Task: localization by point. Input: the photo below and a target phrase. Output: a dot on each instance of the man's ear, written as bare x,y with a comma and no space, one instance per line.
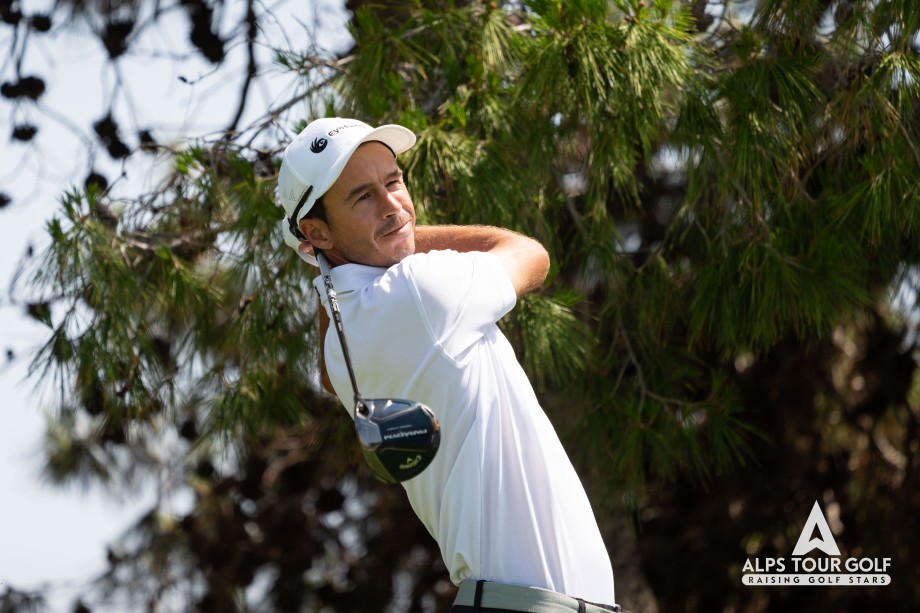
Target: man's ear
317,232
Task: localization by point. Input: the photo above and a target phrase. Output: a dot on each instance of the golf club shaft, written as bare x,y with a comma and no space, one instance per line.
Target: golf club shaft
337,318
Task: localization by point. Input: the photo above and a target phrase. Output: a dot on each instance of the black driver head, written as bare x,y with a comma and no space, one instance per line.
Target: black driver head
399,438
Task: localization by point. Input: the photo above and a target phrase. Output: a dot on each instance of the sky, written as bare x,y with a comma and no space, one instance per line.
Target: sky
51,537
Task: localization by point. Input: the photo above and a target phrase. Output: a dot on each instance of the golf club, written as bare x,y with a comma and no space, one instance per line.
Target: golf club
398,438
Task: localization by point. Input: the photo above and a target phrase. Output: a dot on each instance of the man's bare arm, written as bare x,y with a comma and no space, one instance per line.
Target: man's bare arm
524,259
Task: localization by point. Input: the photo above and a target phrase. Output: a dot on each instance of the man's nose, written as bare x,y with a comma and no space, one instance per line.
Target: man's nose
389,203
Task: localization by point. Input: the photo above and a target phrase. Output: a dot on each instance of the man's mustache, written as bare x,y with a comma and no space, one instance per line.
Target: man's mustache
393,226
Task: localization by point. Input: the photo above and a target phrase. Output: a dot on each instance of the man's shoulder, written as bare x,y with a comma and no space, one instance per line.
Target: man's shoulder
443,278
433,270
441,262
434,256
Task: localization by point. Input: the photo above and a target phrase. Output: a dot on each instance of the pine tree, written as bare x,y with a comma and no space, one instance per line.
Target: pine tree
728,203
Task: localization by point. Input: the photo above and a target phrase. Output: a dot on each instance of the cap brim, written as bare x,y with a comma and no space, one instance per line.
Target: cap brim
397,138
394,136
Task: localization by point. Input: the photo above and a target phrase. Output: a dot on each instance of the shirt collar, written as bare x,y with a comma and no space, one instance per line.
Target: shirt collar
347,278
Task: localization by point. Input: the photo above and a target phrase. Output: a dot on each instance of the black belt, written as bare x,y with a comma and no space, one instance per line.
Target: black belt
480,596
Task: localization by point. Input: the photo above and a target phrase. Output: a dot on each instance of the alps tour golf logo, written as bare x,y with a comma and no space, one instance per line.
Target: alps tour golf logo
827,569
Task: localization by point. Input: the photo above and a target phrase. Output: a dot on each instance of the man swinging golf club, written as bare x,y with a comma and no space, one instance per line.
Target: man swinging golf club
420,305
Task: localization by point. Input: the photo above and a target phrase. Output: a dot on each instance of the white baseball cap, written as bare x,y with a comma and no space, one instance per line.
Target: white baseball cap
315,159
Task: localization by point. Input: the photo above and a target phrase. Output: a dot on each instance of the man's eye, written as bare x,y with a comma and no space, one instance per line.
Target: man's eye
363,196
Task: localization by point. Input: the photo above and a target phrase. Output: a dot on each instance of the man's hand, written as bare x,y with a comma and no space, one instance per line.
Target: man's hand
524,259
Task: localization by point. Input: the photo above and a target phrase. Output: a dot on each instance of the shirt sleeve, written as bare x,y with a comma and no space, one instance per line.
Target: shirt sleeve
460,295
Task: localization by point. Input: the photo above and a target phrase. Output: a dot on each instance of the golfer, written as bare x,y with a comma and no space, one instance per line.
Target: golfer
420,304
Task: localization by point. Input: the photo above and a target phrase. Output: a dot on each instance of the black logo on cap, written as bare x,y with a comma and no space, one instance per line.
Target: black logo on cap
318,145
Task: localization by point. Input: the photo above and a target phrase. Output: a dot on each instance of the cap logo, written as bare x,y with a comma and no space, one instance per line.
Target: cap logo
335,131
318,145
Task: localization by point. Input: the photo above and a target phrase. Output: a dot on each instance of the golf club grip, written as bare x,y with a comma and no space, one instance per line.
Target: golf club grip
337,319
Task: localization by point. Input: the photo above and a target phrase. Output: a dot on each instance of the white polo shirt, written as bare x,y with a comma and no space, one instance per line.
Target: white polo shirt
501,497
